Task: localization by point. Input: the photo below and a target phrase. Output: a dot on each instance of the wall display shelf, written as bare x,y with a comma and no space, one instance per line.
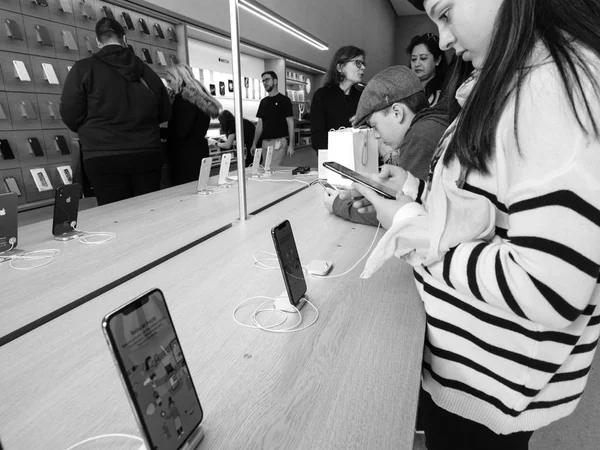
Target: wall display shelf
39,43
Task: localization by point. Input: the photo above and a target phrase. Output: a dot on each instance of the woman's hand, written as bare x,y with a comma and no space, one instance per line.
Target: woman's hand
385,209
329,197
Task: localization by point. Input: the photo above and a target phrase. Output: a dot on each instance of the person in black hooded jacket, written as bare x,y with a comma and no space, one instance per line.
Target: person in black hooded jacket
115,103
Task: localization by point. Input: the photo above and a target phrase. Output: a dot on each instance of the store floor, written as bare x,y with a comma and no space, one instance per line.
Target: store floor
579,431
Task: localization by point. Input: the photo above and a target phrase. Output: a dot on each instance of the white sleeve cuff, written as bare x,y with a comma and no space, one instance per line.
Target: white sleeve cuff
411,186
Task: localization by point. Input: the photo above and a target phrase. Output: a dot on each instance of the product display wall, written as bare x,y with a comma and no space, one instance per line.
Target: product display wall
39,43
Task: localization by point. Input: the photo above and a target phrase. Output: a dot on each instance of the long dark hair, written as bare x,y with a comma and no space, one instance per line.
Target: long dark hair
561,25
334,77
225,117
431,41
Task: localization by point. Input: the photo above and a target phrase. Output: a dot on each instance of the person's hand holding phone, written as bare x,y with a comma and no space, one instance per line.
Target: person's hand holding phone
385,209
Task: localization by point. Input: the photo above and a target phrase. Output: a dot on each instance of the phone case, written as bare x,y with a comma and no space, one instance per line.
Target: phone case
221,88
128,21
43,36
49,73
69,40
35,147
66,7
12,186
204,174
65,173
174,59
66,207
13,31
213,89
8,221
21,70
2,113
172,34
144,26
158,31
27,110
41,180
161,58
61,144
289,261
230,85
6,150
224,169
41,3
147,56
108,12
87,11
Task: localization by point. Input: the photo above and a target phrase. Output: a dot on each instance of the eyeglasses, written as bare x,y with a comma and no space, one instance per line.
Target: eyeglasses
358,63
266,80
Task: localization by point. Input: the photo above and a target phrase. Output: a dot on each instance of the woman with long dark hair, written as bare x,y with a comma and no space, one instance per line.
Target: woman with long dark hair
334,105
193,108
428,62
504,236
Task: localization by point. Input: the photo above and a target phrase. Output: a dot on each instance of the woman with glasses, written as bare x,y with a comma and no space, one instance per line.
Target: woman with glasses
334,105
427,61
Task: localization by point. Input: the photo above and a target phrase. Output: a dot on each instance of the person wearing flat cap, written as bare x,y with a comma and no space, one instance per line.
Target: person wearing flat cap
395,106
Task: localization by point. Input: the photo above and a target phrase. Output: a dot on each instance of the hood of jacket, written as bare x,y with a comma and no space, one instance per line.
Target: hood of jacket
123,60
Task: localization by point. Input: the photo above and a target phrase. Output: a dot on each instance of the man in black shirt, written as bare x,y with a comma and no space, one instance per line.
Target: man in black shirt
275,121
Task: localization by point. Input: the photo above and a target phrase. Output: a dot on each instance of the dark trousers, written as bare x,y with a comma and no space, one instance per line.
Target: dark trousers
447,431
115,178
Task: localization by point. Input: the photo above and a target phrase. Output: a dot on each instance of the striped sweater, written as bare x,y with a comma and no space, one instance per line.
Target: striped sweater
513,321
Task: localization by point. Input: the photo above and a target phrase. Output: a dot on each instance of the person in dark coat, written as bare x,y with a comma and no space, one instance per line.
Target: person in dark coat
193,108
227,121
116,103
334,105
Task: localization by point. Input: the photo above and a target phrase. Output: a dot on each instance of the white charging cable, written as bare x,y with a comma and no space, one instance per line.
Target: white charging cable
87,235
279,181
106,436
259,264
46,256
259,310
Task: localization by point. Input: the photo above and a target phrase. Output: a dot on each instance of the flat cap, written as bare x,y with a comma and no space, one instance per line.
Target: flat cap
389,86
418,4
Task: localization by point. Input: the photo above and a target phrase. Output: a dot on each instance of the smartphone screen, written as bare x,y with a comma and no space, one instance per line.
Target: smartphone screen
361,179
172,34
289,261
66,207
44,36
154,371
8,221
128,21
6,150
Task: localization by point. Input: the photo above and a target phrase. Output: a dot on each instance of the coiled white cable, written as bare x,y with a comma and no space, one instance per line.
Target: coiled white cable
257,325
105,436
108,236
46,255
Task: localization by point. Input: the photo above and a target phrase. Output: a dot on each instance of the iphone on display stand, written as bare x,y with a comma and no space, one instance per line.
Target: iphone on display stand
8,222
224,171
268,159
256,162
202,187
66,208
291,268
148,355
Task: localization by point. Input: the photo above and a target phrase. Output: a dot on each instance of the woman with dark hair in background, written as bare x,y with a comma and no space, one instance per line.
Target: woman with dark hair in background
428,62
227,121
334,105
193,107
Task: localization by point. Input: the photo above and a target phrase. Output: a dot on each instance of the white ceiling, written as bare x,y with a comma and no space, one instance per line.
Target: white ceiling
404,8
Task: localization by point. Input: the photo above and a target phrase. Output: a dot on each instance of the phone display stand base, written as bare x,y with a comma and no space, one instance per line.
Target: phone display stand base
205,191
68,236
193,442
225,185
282,303
267,173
